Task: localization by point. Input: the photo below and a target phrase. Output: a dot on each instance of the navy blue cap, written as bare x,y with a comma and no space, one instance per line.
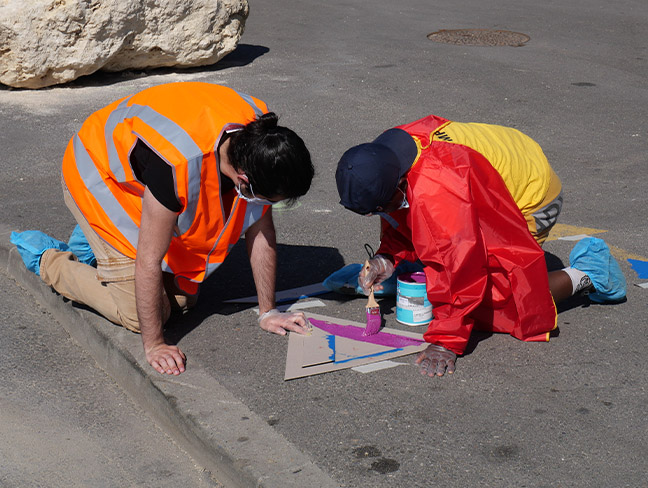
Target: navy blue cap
368,174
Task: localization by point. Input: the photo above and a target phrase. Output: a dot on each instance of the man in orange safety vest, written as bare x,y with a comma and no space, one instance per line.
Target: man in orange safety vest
163,183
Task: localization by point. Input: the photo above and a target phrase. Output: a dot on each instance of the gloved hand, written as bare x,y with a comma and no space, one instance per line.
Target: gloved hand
435,360
380,268
279,322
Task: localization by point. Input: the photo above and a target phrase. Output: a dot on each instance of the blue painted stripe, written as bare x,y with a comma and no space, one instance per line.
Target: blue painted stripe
641,267
330,338
331,343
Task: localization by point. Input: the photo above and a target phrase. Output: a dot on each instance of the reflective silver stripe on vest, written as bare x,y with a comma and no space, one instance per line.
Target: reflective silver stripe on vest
173,133
251,103
253,213
166,267
93,181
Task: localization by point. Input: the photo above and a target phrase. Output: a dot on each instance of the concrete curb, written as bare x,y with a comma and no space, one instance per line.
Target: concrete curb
218,431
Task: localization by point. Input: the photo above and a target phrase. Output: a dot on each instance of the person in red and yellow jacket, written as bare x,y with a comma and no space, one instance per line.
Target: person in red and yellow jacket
163,183
473,203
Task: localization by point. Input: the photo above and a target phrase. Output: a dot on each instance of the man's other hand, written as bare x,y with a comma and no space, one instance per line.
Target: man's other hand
166,359
279,322
436,360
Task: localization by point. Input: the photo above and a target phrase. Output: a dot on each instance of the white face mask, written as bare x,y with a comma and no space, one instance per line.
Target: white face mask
253,199
404,203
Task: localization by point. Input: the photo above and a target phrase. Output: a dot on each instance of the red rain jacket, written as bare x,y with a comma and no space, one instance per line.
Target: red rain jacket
483,267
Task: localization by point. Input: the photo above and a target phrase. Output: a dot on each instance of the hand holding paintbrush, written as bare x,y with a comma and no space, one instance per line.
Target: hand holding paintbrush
374,319
375,271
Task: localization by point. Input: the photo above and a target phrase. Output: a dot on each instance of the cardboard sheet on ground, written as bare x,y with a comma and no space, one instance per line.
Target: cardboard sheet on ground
334,345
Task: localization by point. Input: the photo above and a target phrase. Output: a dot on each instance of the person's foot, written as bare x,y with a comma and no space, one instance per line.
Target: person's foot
592,256
32,244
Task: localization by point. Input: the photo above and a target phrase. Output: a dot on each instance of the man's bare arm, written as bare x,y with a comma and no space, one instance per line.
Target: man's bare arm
153,307
262,249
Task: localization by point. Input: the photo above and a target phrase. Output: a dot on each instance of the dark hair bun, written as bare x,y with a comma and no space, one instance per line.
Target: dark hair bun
274,158
264,124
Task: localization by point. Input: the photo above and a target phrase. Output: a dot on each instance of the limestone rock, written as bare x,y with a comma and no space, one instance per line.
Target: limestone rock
46,42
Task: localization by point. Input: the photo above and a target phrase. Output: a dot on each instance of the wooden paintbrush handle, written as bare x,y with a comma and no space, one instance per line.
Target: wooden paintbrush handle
371,302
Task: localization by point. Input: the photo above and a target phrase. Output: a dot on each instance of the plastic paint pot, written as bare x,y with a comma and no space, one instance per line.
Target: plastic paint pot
412,306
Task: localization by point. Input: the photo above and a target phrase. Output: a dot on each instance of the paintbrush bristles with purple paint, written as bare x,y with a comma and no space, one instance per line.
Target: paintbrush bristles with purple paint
374,320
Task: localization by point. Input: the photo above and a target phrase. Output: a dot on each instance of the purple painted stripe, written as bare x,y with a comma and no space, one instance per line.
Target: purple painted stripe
355,333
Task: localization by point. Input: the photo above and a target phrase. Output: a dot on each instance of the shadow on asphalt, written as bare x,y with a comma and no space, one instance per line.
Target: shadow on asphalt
296,266
243,55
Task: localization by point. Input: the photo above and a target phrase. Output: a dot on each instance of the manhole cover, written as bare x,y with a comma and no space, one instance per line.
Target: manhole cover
479,37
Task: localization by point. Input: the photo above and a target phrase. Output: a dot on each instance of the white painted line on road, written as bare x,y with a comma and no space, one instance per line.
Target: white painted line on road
302,305
573,238
298,306
288,295
370,368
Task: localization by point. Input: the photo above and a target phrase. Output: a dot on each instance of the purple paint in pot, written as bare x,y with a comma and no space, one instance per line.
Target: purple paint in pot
416,277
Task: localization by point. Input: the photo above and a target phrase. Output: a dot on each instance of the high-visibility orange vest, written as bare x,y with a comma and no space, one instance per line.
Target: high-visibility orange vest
183,123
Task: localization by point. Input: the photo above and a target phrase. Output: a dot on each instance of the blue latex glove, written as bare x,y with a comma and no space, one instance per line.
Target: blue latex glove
32,244
78,244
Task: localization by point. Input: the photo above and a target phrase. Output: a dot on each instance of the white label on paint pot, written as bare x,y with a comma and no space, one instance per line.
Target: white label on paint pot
422,315
411,303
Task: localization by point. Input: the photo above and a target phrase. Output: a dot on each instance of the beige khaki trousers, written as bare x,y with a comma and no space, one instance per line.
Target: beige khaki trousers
110,287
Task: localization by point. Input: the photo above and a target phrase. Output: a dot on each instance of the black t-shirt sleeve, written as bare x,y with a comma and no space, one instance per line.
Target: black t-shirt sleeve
156,174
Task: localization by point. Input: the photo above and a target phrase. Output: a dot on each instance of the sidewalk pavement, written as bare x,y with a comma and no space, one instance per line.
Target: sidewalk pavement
205,419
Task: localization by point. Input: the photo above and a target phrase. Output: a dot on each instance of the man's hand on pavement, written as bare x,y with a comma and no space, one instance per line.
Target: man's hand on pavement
380,269
166,359
279,322
436,360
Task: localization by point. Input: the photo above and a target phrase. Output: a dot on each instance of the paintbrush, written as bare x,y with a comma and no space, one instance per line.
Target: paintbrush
374,320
